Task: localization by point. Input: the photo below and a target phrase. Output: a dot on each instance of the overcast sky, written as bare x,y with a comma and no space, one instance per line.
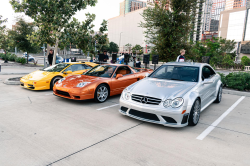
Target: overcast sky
104,9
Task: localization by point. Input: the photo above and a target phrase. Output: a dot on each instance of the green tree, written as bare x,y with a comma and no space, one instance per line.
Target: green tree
168,30
83,36
4,37
113,47
20,37
219,50
137,48
51,17
245,61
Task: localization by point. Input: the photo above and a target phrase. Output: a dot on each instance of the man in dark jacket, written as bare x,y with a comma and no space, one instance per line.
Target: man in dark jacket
106,57
50,56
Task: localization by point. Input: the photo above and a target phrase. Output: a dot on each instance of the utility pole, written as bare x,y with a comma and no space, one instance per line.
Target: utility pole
120,40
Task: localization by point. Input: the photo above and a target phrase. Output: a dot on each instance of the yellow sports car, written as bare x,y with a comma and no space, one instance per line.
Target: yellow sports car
46,78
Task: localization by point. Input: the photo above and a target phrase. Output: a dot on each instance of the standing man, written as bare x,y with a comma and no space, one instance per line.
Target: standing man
50,56
181,58
134,61
106,57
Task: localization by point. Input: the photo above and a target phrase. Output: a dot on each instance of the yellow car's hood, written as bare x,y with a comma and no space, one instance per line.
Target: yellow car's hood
39,75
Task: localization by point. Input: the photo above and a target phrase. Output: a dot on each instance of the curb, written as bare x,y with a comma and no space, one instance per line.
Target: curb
235,92
14,73
11,82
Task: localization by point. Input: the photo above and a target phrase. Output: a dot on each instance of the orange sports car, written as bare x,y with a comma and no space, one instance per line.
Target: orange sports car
99,82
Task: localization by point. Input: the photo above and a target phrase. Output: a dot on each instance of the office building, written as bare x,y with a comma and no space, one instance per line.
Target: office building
217,7
234,4
207,16
122,8
235,25
131,5
125,29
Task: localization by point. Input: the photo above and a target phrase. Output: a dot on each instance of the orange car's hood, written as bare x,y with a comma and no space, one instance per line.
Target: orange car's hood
74,80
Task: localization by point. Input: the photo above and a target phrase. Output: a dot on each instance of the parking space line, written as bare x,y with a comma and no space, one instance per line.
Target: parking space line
215,123
107,107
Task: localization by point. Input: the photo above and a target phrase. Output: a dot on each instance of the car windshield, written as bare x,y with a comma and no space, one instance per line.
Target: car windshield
180,73
136,69
56,68
101,71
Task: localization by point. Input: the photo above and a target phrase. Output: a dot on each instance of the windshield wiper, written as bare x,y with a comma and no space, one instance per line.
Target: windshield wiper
176,79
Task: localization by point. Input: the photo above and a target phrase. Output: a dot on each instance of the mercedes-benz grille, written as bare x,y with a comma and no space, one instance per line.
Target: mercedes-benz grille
146,99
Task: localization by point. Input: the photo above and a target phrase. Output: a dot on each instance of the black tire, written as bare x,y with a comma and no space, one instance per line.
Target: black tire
195,113
101,93
219,95
53,81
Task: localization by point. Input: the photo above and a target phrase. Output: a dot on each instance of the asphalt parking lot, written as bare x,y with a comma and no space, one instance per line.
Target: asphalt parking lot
39,129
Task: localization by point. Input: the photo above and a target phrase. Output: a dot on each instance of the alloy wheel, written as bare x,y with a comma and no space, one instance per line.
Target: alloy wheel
196,113
102,93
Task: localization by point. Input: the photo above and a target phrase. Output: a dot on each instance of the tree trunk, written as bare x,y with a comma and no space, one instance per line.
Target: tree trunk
55,52
6,61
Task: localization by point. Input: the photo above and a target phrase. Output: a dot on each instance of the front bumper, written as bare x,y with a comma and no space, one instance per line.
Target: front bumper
155,113
73,93
35,85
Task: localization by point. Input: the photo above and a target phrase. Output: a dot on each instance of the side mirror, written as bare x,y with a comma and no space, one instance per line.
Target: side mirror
67,72
119,76
147,74
207,81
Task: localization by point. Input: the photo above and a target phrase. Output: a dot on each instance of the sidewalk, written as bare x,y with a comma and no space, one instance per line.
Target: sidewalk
13,68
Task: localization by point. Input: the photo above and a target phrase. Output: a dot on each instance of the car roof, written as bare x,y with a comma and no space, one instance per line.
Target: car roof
195,64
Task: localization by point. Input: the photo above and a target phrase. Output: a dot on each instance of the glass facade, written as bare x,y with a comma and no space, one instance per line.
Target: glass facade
217,7
132,5
207,15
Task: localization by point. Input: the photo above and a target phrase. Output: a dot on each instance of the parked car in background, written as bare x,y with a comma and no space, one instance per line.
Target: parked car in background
59,59
99,83
46,78
173,95
30,58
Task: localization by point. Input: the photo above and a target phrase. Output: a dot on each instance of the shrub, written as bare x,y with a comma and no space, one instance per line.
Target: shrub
12,57
223,78
245,61
20,60
240,81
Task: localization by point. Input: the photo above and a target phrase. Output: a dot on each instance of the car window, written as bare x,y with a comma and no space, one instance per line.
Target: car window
87,67
76,67
124,70
181,73
56,68
136,70
101,71
207,72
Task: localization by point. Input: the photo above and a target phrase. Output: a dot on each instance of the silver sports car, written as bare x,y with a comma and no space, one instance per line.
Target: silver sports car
173,95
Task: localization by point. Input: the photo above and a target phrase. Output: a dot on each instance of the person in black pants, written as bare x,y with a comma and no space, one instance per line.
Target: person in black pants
138,63
50,56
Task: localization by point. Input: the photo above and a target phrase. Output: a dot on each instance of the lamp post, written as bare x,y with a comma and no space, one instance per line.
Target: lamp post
120,40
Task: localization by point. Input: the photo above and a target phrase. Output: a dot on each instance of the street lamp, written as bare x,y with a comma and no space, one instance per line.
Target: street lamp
120,40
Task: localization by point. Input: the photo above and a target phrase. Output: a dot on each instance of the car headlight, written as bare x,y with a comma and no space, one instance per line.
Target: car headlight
82,84
177,102
167,103
126,94
61,80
